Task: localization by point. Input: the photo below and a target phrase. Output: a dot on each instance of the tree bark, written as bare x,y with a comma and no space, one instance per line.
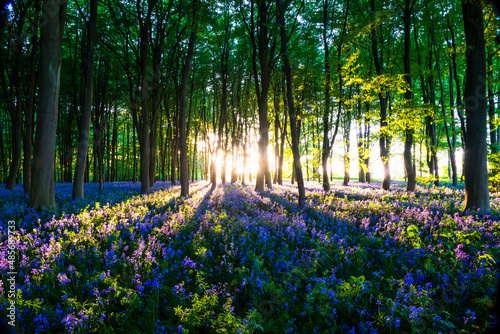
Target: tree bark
361,138
143,120
384,137
291,106
184,177
409,130
16,112
261,46
30,103
475,163
492,120
42,191
326,112
347,148
84,122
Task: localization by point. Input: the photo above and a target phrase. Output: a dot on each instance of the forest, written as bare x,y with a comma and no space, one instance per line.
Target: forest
247,166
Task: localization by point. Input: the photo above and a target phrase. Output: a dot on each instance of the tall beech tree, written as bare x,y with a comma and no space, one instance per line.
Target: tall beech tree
326,108
408,130
378,60
184,171
30,101
287,69
476,149
84,121
142,120
16,103
42,191
327,140
263,48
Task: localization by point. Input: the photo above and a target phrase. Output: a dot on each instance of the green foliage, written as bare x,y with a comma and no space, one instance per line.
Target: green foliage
494,172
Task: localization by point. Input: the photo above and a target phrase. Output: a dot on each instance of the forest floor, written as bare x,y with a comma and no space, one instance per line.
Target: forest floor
356,259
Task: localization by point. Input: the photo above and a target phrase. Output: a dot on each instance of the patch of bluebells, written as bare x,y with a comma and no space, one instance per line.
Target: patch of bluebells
356,259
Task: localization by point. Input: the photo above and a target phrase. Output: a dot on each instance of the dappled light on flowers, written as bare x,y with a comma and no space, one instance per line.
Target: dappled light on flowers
355,259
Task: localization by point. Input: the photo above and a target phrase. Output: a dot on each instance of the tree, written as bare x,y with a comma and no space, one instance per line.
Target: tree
42,192
16,110
476,150
410,172
30,103
260,40
327,141
184,177
384,141
84,122
291,107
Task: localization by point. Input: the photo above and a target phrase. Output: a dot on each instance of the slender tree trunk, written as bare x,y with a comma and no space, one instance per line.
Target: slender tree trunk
153,136
361,167
347,147
114,146
263,174
28,137
384,137
98,121
457,83
99,147
16,112
326,112
42,191
291,107
409,130
282,148
475,166
84,122
366,144
492,120
451,143
134,153
194,175
277,126
184,177
143,122
174,156
454,134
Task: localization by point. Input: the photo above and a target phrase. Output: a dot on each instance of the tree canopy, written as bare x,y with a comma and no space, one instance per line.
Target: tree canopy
257,90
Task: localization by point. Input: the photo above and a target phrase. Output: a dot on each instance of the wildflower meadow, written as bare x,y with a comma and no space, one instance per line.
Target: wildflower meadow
226,259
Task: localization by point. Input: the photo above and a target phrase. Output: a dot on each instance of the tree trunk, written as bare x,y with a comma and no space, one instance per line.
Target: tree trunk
326,112
262,47
282,148
451,140
347,143
457,82
277,127
143,122
134,153
361,169
291,107
475,163
16,113
409,130
30,102
366,144
384,137
84,122
153,136
42,191
453,145
114,146
184,177
492,120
